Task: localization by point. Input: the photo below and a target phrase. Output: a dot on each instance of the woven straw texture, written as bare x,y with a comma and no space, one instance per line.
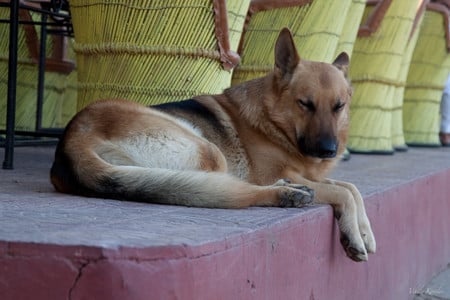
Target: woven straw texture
316,28
398,139
59,92
350,30
428,72
374,72
151,51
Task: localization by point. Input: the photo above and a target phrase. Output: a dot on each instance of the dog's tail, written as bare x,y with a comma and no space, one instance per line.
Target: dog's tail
95,177
190,188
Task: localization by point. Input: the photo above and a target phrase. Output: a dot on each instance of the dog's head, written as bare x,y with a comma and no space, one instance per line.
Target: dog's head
316,97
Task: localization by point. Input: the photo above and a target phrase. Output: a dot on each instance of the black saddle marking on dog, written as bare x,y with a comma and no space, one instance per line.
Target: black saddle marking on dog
186,108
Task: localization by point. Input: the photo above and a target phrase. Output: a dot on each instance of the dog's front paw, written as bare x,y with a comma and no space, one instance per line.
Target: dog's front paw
294,195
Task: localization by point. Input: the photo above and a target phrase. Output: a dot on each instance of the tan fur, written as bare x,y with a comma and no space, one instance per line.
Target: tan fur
267,142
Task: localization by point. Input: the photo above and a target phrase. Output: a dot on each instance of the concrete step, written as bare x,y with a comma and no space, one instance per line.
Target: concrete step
55,246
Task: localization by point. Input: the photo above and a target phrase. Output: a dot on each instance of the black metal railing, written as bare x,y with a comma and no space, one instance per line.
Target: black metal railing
55,20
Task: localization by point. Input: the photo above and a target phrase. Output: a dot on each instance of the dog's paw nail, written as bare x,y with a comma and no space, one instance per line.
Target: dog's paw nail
302,199
292,197
357,254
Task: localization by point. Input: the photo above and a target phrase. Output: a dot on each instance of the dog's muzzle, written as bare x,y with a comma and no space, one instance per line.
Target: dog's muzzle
322,148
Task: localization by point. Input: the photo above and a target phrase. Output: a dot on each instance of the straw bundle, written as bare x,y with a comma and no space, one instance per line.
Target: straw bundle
398,139
316,28
349,34
374,72
27,78
68,101
429,69
155,51
350,30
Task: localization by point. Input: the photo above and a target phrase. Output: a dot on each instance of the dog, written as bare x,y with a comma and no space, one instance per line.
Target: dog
270,141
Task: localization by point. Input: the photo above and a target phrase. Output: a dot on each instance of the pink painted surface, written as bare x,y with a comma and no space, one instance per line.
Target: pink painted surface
297,258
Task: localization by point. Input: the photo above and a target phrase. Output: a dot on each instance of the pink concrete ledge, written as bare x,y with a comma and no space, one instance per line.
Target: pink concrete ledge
294,257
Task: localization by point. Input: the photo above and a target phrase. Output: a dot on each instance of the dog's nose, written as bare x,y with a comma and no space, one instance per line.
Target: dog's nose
327,148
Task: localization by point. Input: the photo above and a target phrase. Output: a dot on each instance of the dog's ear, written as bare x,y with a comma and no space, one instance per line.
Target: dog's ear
286,56
341,62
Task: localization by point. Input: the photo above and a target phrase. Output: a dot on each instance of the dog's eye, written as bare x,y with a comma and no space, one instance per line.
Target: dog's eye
339,106
307,104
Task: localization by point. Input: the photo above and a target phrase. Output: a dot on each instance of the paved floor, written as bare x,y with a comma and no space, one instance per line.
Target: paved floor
30,209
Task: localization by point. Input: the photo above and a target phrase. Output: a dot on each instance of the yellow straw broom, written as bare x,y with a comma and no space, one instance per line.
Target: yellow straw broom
316,26
349,34
350,30
429,69
374,72
155,51
68,100
398,139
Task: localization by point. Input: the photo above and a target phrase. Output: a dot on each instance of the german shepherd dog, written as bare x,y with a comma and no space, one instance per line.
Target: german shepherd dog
266,142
